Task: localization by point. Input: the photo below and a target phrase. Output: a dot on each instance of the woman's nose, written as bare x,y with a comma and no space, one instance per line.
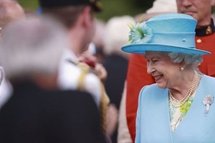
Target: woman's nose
150,68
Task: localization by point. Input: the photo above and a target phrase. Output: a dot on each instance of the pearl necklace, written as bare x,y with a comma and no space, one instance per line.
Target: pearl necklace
177,103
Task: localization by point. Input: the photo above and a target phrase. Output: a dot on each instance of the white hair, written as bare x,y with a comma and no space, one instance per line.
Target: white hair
32,46
192,60
158,7
116,35
163,6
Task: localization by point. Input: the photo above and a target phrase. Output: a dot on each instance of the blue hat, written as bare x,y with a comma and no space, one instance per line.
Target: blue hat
164,33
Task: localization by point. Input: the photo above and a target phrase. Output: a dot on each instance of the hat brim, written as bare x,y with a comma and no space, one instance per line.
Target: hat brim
142,48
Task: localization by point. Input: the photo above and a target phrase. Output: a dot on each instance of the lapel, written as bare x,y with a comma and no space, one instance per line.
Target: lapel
155,121
197,126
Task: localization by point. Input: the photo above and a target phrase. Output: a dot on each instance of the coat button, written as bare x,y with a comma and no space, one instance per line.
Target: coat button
198,41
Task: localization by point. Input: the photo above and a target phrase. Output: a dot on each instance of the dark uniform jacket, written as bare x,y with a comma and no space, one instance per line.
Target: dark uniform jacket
34,115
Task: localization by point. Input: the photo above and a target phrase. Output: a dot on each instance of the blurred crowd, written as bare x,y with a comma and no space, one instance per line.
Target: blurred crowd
63,74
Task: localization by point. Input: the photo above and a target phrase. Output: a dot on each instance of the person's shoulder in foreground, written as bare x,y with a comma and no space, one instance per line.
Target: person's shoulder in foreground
38,111
50,116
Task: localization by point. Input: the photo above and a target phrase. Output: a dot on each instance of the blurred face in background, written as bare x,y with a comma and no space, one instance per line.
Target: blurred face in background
10,11
86,28
199,9
90,28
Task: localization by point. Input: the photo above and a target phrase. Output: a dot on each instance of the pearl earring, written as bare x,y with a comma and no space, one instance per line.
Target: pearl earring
181,68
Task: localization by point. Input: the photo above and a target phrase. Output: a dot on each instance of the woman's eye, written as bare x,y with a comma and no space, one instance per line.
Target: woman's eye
154,60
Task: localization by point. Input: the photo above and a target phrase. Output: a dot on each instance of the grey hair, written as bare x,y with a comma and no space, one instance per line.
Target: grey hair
192,60
32,46
117,30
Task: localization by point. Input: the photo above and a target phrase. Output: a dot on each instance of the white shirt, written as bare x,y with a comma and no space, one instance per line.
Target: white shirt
5,92
69,75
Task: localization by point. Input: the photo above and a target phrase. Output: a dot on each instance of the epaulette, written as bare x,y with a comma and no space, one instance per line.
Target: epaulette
84,69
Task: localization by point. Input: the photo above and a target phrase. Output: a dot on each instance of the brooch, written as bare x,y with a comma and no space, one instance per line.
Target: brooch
207,101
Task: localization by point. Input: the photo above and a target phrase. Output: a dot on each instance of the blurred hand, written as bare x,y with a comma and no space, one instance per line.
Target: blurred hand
111,119
96,67
89,59
101,72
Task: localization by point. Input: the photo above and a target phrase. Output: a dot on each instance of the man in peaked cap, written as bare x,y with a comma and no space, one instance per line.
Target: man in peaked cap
78,17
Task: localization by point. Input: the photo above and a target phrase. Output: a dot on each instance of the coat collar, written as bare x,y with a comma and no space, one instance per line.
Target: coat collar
206,30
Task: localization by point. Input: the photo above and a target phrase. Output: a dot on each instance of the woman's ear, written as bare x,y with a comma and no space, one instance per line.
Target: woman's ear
182,65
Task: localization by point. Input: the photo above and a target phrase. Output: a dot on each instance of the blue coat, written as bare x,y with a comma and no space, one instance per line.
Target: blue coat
153,119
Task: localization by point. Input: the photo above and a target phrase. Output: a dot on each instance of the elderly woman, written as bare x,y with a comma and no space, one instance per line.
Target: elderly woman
179,106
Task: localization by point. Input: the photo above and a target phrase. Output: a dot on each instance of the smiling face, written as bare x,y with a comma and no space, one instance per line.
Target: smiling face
162,69
198,9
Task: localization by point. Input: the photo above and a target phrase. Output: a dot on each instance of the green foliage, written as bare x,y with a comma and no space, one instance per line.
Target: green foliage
123,7
29,5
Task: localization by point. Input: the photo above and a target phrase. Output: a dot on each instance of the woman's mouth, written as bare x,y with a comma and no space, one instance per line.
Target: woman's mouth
158,78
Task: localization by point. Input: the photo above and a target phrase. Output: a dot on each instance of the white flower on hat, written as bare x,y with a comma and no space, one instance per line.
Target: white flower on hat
140,33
